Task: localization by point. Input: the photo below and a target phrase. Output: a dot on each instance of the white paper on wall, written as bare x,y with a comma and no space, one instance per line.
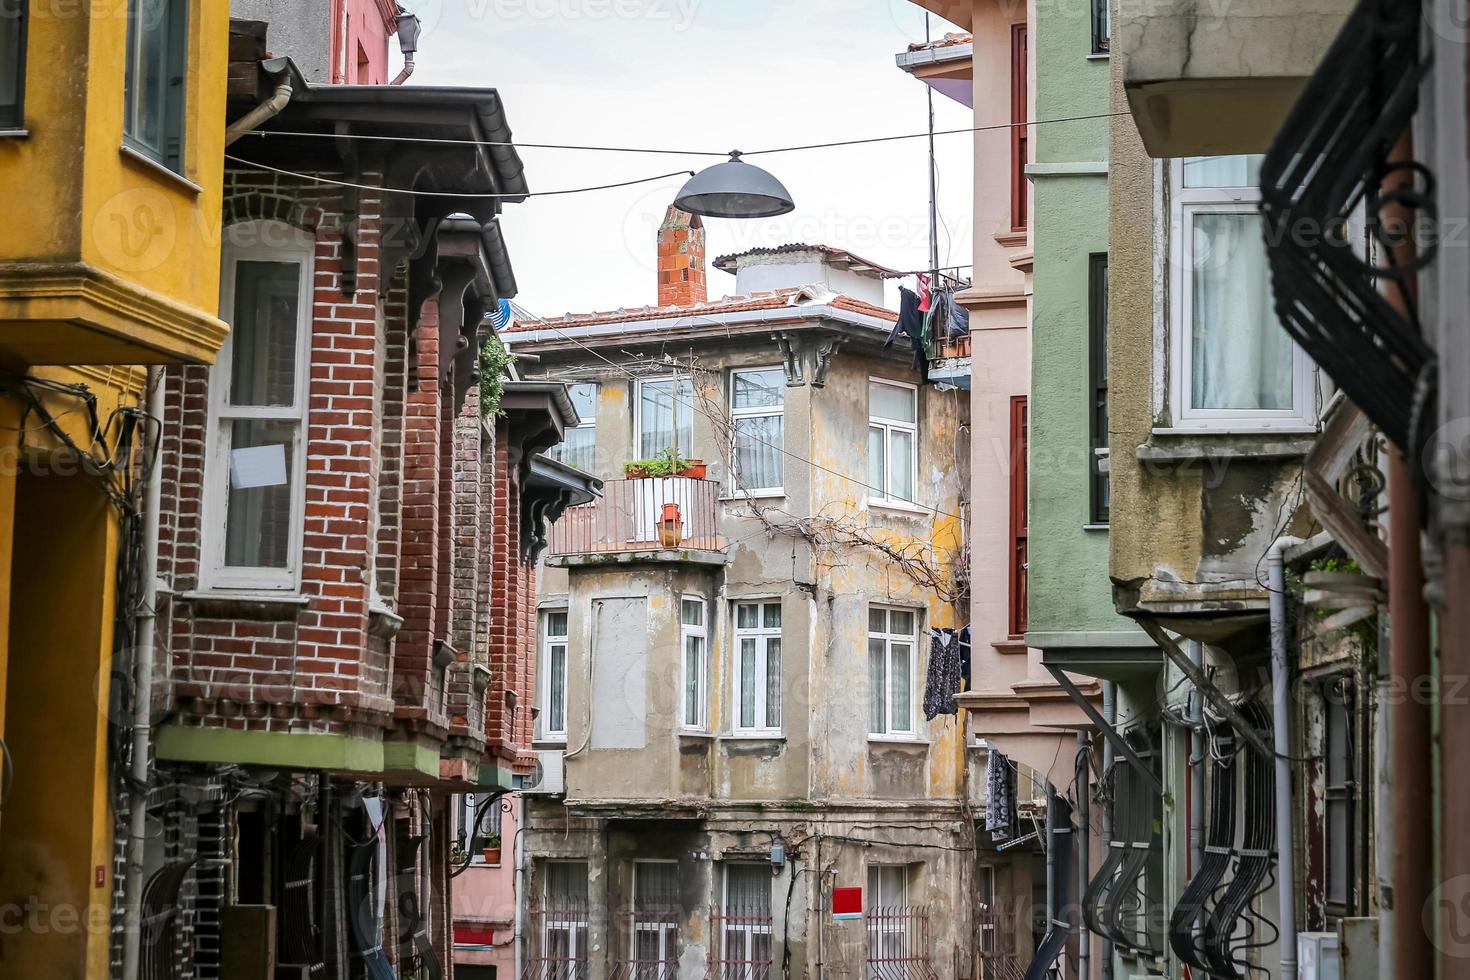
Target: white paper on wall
258,466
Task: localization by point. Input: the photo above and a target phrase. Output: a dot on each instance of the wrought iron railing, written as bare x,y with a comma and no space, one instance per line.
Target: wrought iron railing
740,947
1329,158
632,515
995,945
652,936
899,943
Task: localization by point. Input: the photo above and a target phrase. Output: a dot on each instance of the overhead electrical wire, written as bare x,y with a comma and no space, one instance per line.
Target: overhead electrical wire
609,149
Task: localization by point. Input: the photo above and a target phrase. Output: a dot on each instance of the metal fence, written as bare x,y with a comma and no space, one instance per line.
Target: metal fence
561,947
741,944
629,516
995,946
652,937
899,943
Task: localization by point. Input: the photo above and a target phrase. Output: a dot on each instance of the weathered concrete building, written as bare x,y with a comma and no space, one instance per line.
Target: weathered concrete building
737,653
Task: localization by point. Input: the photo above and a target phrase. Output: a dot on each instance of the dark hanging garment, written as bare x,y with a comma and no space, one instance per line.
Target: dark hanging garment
966,682
959,320
911,324
1000,796
943,681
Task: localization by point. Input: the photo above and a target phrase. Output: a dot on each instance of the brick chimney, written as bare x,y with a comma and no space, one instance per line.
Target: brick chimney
681,272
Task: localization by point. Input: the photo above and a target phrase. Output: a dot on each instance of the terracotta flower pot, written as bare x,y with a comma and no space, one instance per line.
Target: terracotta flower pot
696,470
492,855
639,474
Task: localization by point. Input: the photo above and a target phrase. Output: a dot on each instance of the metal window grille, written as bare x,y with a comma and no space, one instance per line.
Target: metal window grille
741,947
561,942
899,943
160,926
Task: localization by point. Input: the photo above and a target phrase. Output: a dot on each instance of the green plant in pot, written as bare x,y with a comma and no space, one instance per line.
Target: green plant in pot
492,849
669,462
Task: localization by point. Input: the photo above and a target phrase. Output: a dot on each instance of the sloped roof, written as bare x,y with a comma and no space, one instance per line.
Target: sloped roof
839,257
773,300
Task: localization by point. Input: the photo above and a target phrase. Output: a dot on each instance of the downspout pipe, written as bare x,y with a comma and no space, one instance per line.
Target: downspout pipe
1084,856
267,110
1281,731
403,75
1110,715
1197,766
140,766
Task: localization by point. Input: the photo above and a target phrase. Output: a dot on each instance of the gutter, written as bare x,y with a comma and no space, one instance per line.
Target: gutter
909,60
697,321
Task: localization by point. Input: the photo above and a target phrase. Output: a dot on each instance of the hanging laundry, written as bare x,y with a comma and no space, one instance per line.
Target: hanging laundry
1000,796
943,681
959,320
924,294
966,681
911,324
936,322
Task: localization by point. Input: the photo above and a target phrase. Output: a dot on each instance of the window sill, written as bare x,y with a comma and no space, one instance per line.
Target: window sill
897,740
752,737
144,160
699,736
17,134
245,604
1174,445
1226,427
752,495
1103,528
897,507
549,744
1099,56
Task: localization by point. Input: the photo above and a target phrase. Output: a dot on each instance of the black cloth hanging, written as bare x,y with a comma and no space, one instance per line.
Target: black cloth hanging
966,683
911,324
943,680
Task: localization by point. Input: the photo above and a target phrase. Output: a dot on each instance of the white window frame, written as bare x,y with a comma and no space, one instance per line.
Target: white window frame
883,495
677,406
549,640
747,929
767,412
688,631
668,933
558,452
269,241
1185,204
888,933
889,638
762,635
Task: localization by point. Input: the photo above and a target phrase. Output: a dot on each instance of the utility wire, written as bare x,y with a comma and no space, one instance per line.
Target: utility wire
666,151
451,194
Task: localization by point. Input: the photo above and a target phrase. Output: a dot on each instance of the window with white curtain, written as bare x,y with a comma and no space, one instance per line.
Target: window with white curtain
578,446
564,921
746,923
757,403
893,441
888,952
554,676
665,413
656,917
757,667
1233,364
892,641
695,636
254,494
472,835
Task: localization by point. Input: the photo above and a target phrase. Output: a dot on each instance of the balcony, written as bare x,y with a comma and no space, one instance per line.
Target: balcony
654,519
1205,78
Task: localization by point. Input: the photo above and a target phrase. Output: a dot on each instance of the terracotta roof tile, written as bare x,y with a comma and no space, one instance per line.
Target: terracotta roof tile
772,300
950,40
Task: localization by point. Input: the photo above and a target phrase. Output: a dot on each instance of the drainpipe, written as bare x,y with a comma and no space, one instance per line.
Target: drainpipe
1110,715
142,703
402,76
1084,862
1197,765
1281,726
268,109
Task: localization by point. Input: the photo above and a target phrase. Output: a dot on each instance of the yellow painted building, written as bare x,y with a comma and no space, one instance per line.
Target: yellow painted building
112,128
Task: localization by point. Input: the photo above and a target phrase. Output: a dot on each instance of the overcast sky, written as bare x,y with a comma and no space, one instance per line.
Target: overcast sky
703,75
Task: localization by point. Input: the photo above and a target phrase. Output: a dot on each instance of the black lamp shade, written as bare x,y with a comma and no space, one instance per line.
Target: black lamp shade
734,189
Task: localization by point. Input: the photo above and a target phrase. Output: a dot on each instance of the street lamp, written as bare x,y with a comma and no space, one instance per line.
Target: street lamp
734,189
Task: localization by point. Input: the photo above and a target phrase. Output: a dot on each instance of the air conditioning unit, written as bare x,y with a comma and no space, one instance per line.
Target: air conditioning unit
1317,956
549,776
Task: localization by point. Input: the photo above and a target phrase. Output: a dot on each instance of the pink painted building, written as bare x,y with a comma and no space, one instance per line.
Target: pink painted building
360,31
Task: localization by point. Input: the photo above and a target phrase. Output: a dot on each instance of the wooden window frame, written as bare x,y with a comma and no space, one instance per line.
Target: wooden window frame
1097,356
1020,424
1020,131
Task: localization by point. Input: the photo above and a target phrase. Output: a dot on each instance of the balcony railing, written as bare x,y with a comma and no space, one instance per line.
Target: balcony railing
630,516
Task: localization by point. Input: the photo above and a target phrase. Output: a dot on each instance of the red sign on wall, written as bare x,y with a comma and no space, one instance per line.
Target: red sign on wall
847,903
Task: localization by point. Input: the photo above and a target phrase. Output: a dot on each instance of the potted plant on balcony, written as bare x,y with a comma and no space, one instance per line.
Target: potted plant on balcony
669,462
492,849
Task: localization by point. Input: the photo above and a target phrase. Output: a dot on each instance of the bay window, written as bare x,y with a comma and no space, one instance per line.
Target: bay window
757,401
892,641
665,413
157,72
579,443
758,667
1233,365
893,441
695,642
255,494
